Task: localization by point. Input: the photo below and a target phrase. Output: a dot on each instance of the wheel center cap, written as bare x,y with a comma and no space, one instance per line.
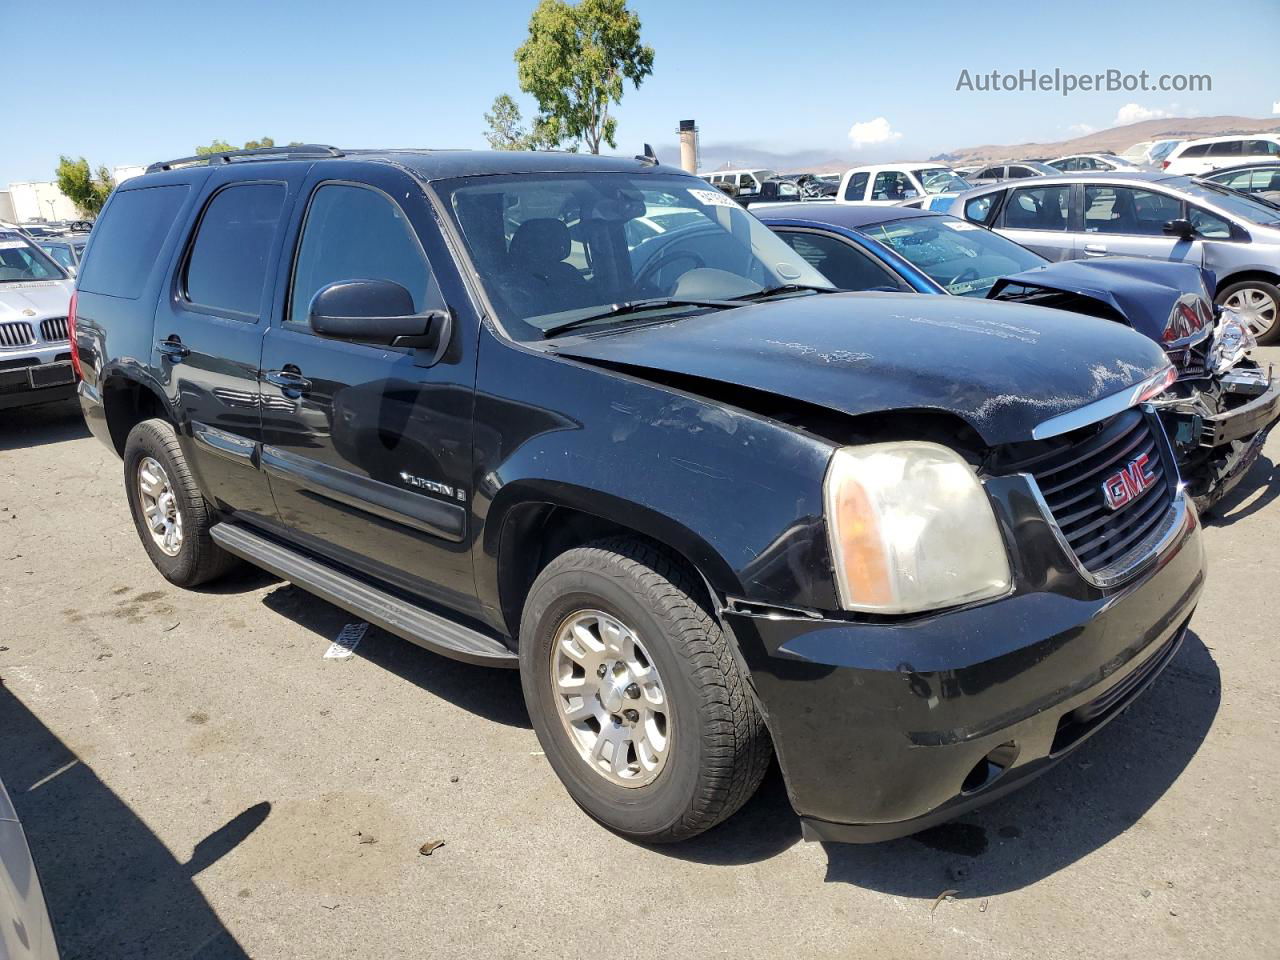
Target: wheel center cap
613,691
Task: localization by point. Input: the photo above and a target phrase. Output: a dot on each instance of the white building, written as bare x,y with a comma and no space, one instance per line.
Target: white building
122,173
40,200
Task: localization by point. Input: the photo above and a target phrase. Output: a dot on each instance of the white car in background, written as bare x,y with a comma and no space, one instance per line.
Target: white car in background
743,182
896,182
1150,153
1195,157
1085,162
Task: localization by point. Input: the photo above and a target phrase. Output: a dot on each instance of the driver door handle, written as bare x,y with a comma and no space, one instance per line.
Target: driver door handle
291,381
1095,249
173,349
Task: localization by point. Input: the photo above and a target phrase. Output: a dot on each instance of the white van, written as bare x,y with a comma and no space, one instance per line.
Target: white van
1212,153
744,182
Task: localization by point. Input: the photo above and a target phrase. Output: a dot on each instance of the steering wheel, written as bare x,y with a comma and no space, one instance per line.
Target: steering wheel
968,273
651,269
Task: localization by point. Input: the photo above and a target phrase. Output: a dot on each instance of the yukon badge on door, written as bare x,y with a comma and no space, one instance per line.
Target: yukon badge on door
1129,483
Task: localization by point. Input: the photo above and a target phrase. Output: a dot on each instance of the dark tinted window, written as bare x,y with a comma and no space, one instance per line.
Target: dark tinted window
228,265
1038,208
1020,173
1199,150
353,233
127,239
991,173
1262,148
857,188
1226,148
1129,211
842,263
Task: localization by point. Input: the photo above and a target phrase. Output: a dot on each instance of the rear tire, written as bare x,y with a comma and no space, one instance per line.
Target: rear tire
1258,302
171,515
687,745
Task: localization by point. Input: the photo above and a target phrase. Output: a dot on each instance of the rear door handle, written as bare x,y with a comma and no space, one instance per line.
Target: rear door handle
1095,249
292,382
173,349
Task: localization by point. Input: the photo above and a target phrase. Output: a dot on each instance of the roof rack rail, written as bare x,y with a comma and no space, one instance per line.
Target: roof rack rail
299,151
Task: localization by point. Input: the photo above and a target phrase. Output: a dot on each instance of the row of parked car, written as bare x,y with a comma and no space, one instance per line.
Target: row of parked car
880,489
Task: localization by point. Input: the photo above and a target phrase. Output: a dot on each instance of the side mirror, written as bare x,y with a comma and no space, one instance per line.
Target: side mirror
377,312
1180,228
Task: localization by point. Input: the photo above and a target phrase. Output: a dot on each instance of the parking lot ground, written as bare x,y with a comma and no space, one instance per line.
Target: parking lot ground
198,780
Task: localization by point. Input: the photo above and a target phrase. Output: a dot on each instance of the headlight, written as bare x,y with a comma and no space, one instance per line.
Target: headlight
911,529
1231,341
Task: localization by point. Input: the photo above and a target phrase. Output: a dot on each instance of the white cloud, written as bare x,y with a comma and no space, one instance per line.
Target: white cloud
1275,107
872,132
1135,113
1081,129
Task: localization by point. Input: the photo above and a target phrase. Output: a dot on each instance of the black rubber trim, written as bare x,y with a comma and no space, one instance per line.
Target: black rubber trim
436,517
1247,419
383,609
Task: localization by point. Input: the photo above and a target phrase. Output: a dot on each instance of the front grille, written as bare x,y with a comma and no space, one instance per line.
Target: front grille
1070,471
16,334
54,329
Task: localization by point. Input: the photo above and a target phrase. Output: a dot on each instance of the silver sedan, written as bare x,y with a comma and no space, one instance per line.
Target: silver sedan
1075,216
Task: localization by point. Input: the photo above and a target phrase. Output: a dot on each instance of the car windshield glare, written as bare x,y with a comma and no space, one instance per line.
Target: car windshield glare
554,248
942,180
22,262
1233,202
961,257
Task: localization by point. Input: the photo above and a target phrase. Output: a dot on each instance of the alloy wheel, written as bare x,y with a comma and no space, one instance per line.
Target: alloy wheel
160,506
610,698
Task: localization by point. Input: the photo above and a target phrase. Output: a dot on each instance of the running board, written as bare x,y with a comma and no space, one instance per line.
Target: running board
383,609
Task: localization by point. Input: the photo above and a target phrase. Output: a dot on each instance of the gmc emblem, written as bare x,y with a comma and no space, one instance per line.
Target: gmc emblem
1124,487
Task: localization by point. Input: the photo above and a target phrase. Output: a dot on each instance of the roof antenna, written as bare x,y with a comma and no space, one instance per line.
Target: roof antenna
648,157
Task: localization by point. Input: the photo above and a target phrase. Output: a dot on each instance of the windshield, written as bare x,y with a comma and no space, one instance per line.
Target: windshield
60,252
942,180
554,248
1162,150
21,261
1239,204
962,257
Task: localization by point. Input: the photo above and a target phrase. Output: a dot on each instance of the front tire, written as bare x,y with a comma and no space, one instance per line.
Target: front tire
1258,303
171,515
636,695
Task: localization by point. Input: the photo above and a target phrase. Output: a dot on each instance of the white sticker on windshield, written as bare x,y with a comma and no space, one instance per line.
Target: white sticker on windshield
961,225
13,245
713,198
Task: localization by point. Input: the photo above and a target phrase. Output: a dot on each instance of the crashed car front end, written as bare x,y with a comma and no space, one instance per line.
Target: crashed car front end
1223,405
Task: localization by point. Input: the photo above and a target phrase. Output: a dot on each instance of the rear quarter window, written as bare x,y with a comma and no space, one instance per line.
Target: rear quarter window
127,239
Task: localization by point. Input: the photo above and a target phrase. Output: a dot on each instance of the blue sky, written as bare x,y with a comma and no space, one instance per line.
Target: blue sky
154,81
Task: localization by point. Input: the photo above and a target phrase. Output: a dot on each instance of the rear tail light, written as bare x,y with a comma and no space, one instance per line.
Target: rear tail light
1164,164
71,335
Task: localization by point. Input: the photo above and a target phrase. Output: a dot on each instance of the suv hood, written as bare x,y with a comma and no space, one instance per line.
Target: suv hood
1000,367
34,300
1144,292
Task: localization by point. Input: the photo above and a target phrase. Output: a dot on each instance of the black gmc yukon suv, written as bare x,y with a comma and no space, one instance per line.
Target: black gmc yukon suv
920,546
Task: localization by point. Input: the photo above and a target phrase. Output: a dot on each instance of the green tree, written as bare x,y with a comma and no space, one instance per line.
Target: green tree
506,129
221,146
574,64
86,191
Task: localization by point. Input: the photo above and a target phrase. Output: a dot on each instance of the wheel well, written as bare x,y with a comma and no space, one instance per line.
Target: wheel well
534,534
1243,275
127,403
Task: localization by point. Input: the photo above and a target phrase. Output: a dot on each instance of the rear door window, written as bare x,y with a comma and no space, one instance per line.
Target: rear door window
857,188
1226,148
227,268
1198,150
127,240
1038,208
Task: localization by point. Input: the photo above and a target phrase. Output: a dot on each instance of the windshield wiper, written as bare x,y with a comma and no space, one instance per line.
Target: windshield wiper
783,288
636,306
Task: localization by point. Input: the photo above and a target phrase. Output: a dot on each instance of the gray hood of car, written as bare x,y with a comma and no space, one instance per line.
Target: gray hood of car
34,300
1003,368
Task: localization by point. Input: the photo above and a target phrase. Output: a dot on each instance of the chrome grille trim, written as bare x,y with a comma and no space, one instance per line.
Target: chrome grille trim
16,333
54,330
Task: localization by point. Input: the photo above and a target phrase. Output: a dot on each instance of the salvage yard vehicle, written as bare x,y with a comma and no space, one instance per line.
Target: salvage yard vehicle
35,358
1192,157
1020,170
1234,237
740,183
26,932
1222,406
66,249
708,506
1259,180
895,182
1087,162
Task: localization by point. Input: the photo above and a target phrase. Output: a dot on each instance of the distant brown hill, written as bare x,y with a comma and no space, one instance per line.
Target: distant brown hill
1119,138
